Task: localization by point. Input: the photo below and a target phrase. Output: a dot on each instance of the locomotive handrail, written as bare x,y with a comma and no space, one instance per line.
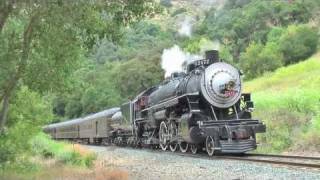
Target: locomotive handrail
169,99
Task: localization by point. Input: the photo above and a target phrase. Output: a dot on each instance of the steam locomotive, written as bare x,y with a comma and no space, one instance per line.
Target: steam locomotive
202,108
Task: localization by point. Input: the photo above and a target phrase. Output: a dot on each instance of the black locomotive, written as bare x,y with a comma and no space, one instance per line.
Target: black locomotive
203,108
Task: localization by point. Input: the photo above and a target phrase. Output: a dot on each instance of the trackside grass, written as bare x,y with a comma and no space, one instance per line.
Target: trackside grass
46,155
70,154
288,101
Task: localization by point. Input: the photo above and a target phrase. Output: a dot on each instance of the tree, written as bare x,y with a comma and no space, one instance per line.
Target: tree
297,43
258,59
43,41
28,112
241,22
134,76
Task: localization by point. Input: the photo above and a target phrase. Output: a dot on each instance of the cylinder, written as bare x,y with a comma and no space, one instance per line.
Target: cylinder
160,115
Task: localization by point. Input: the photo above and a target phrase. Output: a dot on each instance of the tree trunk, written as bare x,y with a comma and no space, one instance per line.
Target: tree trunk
5,12
13,82
4,112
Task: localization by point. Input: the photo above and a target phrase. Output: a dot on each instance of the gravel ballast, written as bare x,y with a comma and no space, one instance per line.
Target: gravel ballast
147,164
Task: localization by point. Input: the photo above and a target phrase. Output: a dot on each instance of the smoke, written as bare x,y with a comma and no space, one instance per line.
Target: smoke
175,59
185,27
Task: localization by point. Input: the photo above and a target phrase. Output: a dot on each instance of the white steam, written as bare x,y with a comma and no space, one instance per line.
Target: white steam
185,27
174,60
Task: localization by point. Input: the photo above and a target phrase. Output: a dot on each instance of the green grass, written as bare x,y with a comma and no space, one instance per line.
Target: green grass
33,162
66,153
305,74
288,101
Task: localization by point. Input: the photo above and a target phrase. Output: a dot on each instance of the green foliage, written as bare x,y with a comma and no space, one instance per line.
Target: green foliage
192,45
275,34
288,102
289,116
302,74
240,23
105,51
46,42
133,79
225,55
283,46
53,59
28,113
42,145
139,37
44,51
110,77
259,59
298,43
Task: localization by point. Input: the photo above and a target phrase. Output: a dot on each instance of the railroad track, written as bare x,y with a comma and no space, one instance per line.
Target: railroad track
284,160
296,161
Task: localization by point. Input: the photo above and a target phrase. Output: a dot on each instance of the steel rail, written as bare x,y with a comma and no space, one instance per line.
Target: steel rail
283,156
270,161
246,157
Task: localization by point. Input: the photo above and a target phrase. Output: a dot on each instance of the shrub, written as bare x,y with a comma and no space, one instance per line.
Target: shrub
291,119
259,59
28,112
288,102
297,43
275,34
65,153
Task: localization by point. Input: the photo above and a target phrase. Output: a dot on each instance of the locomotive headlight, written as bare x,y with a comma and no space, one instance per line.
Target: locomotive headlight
221,85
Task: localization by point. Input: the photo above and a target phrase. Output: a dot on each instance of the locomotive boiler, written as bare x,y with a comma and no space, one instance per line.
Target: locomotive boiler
202,108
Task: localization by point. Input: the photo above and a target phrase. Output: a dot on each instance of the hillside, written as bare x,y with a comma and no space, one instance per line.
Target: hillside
288,101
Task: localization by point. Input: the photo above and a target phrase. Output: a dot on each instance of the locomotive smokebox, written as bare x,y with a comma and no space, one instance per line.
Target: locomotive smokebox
213,56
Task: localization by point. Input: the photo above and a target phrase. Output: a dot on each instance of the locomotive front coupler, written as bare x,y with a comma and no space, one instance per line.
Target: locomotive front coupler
232,136
232,129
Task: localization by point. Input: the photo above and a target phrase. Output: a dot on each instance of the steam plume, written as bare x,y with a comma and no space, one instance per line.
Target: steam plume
185,27
174,60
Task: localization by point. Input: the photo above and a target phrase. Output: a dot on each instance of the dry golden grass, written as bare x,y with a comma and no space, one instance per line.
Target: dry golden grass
110,174
79,149
100,171
71,173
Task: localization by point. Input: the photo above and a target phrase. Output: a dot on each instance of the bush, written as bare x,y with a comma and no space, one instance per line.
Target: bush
275,34
290,118
28,112
288,102
297,43
65,153
259,59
